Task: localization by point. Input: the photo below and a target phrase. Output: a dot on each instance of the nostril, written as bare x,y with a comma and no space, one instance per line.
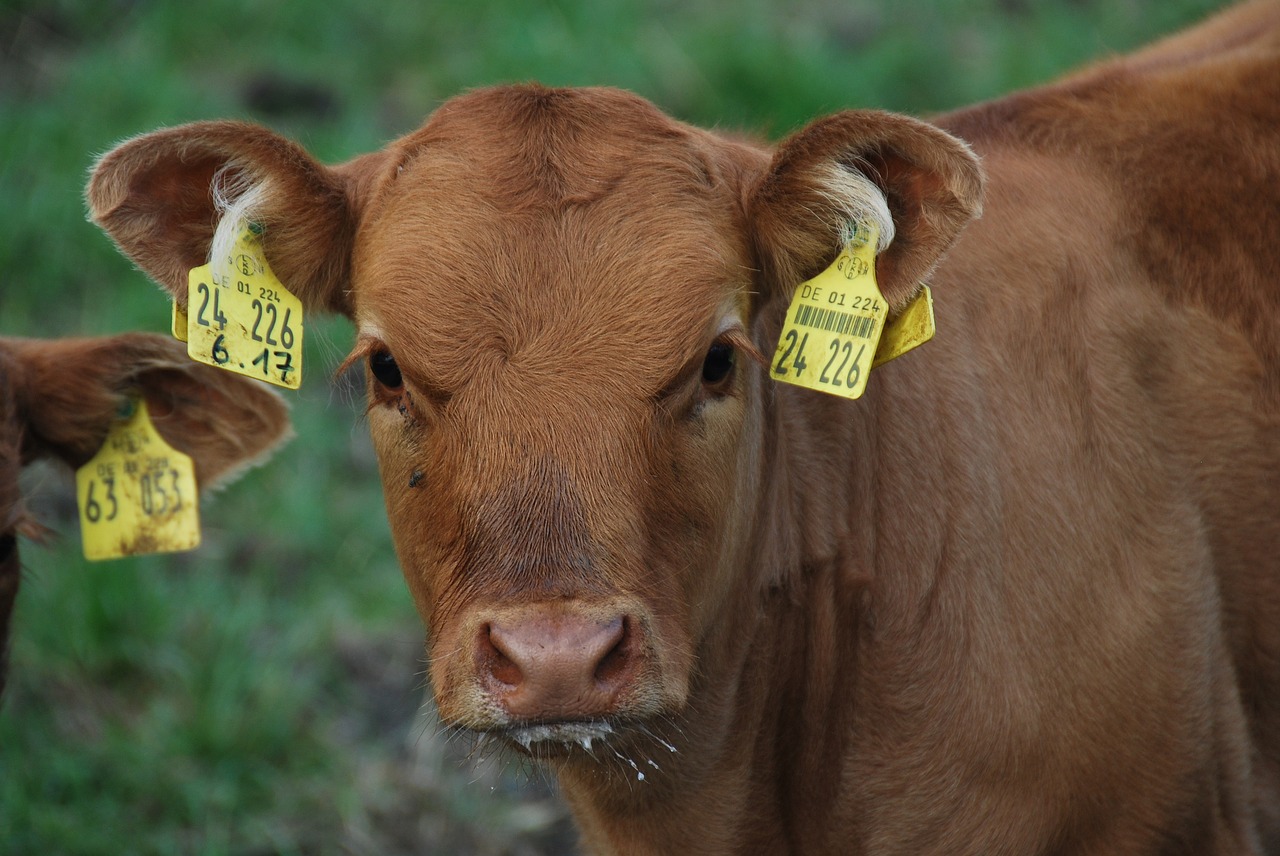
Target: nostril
615,660
496,661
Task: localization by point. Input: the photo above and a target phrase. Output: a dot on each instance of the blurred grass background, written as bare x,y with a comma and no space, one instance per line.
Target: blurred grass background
263,695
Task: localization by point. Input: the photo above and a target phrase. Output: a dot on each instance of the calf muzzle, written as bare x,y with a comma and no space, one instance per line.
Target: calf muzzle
554,665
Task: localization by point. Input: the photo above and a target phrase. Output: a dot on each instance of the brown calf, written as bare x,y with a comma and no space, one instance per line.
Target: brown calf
1023,597
59,398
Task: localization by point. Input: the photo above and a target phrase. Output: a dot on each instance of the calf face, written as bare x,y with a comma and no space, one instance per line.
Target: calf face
59,398
563,298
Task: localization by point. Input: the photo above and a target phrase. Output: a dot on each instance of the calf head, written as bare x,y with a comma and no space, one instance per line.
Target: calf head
562,299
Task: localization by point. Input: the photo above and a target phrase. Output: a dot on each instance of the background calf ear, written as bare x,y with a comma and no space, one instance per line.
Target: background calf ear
69,392
154,195
819,177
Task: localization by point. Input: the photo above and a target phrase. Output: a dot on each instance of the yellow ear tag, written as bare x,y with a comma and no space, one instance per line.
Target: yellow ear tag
911,329
834,323
245,320
138,494
179,323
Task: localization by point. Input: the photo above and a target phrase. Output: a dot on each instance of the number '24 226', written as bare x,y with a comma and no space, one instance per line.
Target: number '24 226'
269,326
845,372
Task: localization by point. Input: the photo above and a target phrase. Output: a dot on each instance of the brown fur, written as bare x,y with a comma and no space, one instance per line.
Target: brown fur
11,516
1020,598
58,399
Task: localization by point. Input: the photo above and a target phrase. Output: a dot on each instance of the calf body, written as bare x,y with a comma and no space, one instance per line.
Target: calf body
59,398
1020,598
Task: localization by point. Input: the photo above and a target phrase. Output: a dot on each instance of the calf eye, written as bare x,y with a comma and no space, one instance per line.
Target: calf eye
718,364
385,370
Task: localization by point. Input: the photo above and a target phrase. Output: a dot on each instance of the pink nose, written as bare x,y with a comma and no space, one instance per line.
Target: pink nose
558,667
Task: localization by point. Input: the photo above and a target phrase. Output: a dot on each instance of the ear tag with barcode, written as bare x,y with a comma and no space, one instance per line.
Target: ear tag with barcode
138,494
834,323
242,318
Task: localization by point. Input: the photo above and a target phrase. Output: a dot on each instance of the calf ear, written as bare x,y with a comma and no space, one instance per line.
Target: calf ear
160,197
69,391
856,165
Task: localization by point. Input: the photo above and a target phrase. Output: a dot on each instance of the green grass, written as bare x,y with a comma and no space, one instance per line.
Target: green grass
261,695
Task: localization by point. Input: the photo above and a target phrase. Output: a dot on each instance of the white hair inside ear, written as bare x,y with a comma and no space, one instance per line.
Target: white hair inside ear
238,200
858,200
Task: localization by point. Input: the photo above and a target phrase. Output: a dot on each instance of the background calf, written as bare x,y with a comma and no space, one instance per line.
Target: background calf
58,398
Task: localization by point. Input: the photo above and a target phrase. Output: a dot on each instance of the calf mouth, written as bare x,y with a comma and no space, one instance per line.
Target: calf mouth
629,751
558,739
